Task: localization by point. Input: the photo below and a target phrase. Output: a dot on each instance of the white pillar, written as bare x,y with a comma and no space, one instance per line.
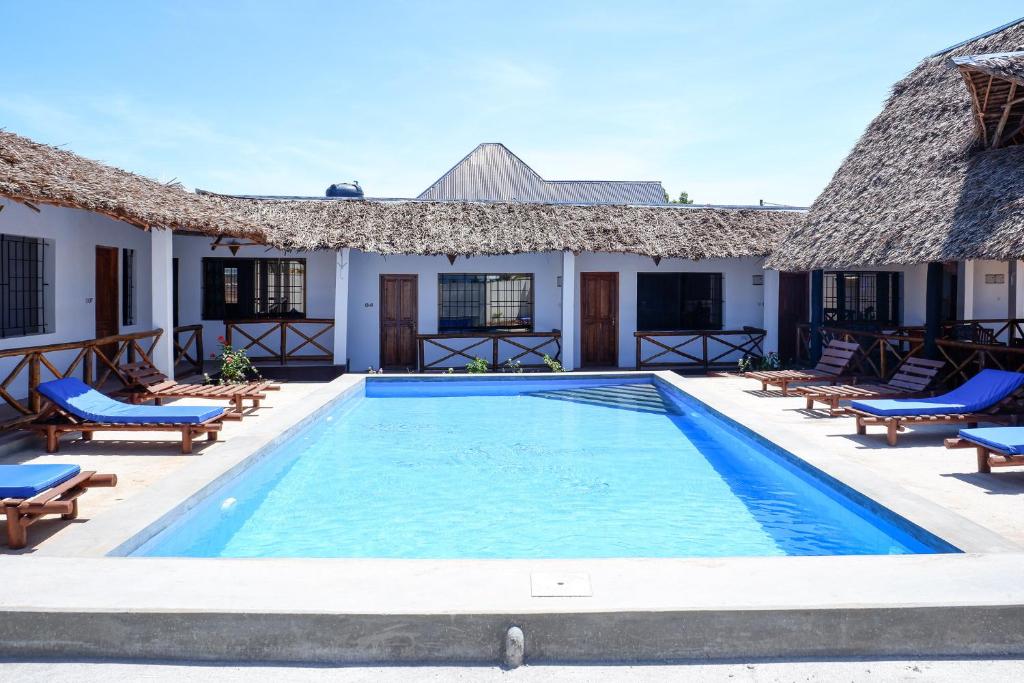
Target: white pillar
770,311
161,273
965,271
341,271
1018,312
568,310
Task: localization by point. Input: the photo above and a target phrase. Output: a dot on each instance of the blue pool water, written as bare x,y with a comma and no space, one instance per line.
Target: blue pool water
531,468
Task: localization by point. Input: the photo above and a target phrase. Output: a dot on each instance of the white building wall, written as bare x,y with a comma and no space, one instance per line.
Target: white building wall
75,234
364,294
743,300
190,252
990,300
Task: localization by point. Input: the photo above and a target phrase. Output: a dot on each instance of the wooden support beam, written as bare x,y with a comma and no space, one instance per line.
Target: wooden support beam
1006,115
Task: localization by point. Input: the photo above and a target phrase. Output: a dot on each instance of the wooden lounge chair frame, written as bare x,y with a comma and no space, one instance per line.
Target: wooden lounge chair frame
62,499
835,359
153,385
988,457
54,421
894,424
912,378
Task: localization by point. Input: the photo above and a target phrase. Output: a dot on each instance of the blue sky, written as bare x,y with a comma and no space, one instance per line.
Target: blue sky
731,101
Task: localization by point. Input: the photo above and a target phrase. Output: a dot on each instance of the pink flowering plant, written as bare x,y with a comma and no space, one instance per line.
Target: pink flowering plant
235,366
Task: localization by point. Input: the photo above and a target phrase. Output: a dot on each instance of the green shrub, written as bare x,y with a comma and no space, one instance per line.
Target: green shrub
553,364
477,366
235,366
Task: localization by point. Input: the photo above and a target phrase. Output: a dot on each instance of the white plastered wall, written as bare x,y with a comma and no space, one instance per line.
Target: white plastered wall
74,235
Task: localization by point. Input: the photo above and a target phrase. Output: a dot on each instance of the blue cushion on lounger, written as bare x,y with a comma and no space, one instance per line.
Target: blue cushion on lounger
25,481
978,393
1009,440
83,401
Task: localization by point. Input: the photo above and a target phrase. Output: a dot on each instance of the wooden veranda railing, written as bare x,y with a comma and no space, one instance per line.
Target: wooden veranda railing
697,349
94,361
282,339
882,352
188,354
438,352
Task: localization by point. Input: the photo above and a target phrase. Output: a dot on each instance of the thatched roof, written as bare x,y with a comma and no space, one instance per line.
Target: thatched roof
920,185
491,228
1007,66
39,174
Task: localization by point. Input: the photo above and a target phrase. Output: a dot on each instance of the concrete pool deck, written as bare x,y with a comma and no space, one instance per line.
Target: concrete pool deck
66,599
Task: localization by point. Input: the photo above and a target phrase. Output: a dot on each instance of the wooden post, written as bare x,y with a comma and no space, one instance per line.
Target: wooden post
817,309
88,365
639,343
34,403
704,348
284,342
933,309
494,352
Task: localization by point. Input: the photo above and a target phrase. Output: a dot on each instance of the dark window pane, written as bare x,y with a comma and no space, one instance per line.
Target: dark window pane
485,302
862,297
239,288
679,301
128,286
22,285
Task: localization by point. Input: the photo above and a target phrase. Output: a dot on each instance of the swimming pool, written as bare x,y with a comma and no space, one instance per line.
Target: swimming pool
531,467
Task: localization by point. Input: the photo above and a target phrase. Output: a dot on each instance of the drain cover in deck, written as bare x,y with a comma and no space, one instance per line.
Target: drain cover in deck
560,585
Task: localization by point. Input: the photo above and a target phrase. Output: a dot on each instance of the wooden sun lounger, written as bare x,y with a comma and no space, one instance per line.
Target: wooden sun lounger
1006,411
912,378
835,359
152,385
988,457
54,422
62,499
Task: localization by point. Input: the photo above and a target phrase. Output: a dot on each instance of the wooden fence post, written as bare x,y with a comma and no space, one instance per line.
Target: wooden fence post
34,403
494,352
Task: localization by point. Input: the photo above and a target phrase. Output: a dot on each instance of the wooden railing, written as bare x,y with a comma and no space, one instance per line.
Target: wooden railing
697,349
282,339
188,354
94,361
882,352
455,350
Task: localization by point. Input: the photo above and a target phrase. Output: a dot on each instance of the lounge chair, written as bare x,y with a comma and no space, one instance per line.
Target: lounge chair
28,492
76,407
912,378
149,384
835,360
986,397
995,446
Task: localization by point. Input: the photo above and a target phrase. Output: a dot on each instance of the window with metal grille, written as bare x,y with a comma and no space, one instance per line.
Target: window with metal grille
23,263
678,301
127,286
862,297
485,302
239,288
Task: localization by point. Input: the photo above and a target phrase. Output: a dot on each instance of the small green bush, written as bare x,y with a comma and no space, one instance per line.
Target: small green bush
553,364
477,366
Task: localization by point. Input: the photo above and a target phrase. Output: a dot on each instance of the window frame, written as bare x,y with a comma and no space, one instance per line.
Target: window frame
488,329
42,293
716,303
836,295
250,267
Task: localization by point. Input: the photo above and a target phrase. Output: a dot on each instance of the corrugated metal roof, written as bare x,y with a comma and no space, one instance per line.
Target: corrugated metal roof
492,173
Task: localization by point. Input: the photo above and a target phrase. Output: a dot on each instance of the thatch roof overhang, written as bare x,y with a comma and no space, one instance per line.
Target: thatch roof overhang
496,228
920,185
996,86
34,173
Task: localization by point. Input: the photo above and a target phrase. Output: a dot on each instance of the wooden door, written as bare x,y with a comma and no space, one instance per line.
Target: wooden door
599,313
107,298
398,304
794,308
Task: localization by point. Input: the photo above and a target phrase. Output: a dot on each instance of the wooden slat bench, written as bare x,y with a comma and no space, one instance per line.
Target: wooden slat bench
912,378
835,360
